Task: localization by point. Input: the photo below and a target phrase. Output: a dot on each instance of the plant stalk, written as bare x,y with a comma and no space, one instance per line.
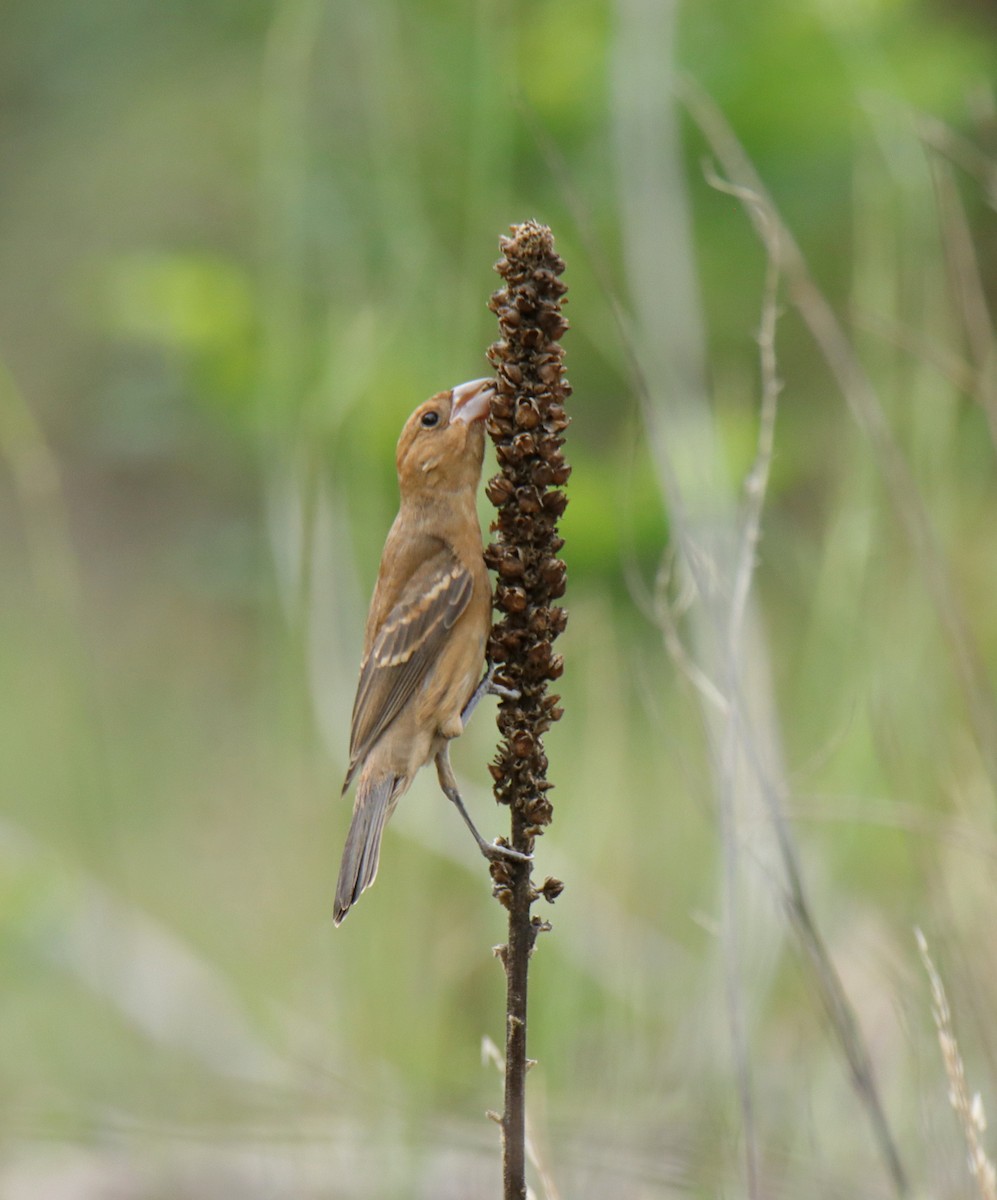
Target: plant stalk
526,423
517,966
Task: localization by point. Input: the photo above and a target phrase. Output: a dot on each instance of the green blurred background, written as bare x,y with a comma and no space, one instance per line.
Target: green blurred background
239,241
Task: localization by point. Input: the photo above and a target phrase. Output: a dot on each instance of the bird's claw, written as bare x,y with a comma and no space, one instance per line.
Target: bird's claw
498,689
494,852
487,687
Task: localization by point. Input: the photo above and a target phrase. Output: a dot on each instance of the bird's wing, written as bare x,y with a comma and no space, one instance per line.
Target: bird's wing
405,648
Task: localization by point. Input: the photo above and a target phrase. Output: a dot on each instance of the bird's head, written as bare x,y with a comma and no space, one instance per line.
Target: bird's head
442,446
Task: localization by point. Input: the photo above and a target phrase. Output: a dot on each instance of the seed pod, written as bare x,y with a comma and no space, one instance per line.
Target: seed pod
552,888
499,490
525,445
553,324
529,500
553,569
542,474
501,411
522,743
527,416
510,564
511,599
555,503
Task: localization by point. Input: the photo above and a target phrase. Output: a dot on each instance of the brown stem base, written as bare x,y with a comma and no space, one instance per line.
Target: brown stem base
516,960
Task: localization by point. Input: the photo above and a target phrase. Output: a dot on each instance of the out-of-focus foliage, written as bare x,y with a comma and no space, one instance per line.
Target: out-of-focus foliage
239,240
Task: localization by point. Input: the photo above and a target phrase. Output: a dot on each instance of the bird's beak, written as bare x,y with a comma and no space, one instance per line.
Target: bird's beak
470,401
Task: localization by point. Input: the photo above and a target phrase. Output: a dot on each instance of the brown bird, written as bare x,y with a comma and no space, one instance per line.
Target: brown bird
424,642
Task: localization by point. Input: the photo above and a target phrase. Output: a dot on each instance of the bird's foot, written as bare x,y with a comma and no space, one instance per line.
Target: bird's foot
487,687
498,689
495,853
491,850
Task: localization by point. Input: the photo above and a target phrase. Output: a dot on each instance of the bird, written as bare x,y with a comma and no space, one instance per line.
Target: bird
426,630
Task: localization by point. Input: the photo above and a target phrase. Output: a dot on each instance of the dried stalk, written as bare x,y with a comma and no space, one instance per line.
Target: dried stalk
526,424
865,406
968,1110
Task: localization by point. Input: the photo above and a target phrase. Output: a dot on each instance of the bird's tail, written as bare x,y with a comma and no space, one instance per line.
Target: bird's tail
373,805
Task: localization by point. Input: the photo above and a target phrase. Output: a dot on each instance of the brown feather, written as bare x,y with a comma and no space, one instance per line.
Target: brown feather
405,649
362,851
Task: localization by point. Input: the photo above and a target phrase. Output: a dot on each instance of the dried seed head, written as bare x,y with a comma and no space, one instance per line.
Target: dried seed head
527,423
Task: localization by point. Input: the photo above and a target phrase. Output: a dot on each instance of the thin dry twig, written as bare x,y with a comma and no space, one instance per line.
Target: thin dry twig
786,260
667,620
756,483
865,406
756,486
709,546
735,730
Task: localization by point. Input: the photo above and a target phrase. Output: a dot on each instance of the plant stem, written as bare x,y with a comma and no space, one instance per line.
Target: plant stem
526,422
517,965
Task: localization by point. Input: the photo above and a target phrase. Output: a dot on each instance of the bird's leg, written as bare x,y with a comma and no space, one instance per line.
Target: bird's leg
487,687
449,786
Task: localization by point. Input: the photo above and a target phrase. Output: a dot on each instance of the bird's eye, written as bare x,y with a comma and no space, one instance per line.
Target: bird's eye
430,418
